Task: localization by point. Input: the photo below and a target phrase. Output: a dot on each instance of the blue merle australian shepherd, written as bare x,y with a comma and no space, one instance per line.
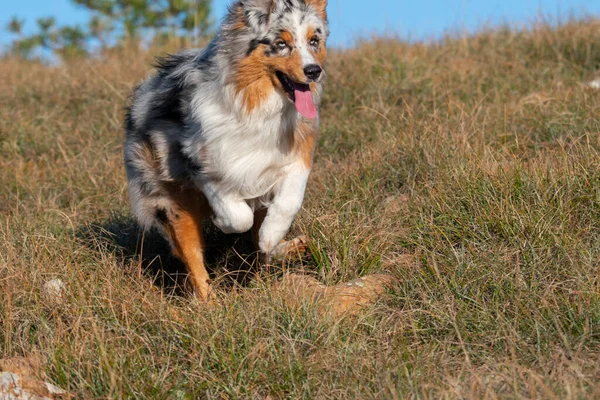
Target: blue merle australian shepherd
228,132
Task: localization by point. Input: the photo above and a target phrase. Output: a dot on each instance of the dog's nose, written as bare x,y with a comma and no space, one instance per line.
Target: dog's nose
313,71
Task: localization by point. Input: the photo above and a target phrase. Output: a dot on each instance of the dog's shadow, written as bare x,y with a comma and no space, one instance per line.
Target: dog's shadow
230,257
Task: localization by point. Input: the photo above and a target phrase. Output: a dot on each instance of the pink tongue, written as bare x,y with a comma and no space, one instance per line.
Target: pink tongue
304,103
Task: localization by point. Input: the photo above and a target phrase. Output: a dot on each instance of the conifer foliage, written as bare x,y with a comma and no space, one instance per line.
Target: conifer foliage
113,23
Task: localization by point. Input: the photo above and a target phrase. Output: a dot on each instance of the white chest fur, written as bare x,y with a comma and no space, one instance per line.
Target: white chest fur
245,154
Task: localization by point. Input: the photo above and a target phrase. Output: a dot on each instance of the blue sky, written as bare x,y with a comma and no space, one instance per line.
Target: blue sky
350,19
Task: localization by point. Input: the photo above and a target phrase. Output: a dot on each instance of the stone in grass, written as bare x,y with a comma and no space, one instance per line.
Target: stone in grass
344,298
23,378
54,291
594,84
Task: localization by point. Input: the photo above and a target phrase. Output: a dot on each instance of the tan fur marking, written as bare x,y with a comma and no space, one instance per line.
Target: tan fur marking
321,53
291,66
320,6
256,76
309,34
185,233
305,139
287,36
254,79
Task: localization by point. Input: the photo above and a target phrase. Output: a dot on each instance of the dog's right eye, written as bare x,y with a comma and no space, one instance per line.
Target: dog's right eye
281,44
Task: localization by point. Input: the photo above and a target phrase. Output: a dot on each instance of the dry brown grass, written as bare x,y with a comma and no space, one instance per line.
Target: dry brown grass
467,168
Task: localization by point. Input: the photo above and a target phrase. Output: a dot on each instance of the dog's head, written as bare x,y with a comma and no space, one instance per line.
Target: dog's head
286,49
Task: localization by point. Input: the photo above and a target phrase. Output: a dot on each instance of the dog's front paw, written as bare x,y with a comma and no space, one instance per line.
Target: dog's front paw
239,219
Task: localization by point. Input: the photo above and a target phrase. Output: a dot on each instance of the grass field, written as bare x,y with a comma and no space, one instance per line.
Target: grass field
469,169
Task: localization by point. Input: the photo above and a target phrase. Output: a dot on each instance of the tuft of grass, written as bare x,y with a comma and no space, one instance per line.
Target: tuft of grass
467,168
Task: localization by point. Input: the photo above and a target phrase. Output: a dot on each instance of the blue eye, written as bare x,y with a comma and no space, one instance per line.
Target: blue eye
281,44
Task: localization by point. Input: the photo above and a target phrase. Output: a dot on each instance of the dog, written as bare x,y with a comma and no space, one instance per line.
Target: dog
228,132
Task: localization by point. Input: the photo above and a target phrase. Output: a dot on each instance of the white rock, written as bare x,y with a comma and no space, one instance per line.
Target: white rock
54,390
12,387
595,84
54,291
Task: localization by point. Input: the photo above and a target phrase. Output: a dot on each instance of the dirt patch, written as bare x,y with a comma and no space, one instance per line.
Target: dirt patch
344,298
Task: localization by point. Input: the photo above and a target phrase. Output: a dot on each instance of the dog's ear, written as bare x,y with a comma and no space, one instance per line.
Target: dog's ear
320,6
258,14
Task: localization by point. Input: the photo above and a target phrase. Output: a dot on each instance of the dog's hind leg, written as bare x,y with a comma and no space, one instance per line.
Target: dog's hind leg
183,228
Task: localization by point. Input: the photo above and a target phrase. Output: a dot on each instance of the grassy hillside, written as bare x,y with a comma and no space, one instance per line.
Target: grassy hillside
468,169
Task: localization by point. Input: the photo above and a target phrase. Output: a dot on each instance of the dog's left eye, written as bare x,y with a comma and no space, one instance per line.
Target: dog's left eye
314,41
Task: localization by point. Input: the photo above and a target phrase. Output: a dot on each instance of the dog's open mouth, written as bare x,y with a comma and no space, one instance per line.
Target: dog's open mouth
300,95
